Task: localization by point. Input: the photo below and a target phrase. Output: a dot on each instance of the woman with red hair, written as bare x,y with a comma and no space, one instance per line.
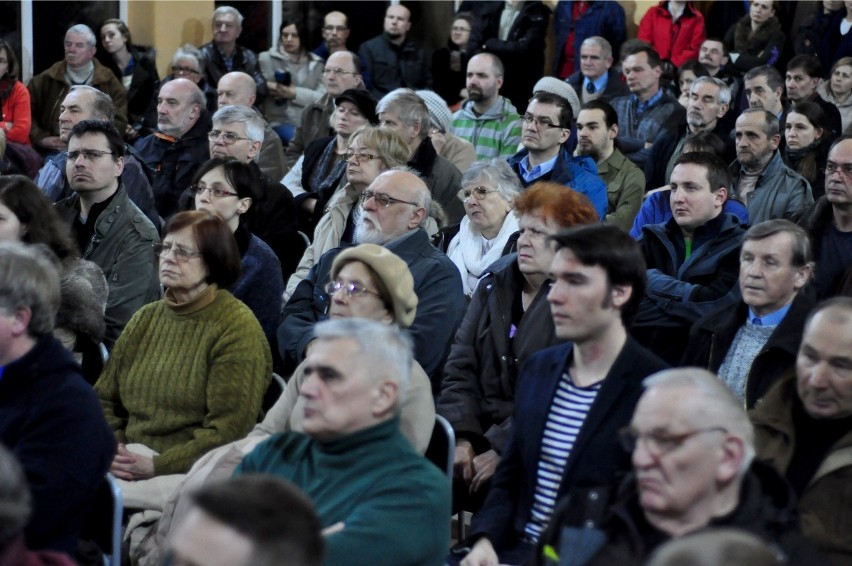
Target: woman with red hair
507,321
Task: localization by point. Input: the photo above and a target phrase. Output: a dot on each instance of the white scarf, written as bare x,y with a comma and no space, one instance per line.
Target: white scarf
465,250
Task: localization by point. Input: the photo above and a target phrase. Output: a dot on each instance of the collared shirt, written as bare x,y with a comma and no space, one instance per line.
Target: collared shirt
772,319
600,82
642,106
530,175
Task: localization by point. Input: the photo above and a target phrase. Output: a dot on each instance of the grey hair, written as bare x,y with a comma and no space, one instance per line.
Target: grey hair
14,497
724,96
189,51
496,171
410,107
102,106
222,10
85,30
770,121
388,347
29,279
254,122
606,46
718,403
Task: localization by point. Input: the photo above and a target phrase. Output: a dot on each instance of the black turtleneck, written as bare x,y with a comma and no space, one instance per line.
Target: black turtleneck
83,231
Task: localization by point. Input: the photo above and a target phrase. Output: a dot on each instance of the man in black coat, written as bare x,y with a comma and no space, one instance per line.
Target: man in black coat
754,344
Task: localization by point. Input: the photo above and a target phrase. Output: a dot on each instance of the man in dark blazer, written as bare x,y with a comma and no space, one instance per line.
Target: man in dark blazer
572,398
596,77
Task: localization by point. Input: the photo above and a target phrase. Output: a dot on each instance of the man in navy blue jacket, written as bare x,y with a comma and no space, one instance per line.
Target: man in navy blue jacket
50,417
571,398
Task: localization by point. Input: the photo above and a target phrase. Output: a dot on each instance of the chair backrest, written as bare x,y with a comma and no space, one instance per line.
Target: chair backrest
442,446
103,522
273,392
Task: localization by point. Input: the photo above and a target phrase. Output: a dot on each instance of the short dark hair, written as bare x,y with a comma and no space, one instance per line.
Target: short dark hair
114,139
706,141
279,520
242,176
839,302
215,241
774,80
719,41
566,114
801,243
613,250
698,69
718,175
610,115
654,59
810,64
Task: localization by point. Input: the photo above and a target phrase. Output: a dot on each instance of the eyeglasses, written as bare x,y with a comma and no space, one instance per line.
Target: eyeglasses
350,289
383,199
184,71
179,254
459,28
657,442
330,29
337,72
228,138
831,168
479,192
360,156
215,193
88,154
539,122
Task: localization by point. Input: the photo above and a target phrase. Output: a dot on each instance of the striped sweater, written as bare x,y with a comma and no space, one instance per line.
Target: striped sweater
497,133
185,379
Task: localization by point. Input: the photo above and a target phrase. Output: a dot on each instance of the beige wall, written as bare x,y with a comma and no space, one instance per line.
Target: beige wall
168,24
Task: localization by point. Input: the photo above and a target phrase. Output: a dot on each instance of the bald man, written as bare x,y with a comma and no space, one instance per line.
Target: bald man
179,146
390,214
239,89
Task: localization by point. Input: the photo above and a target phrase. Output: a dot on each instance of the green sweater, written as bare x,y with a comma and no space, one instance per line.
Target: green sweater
393,503
185,379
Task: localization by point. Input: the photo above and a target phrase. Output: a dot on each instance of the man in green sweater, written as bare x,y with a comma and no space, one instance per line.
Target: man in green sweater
378,500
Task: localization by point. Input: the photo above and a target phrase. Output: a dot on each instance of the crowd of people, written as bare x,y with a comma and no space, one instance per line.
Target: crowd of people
631,302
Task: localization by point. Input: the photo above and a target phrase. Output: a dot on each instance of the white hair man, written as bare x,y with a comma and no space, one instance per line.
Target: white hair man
363,475
49,87
223,55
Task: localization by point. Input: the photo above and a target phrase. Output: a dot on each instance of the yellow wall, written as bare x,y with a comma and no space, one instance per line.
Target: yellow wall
168,24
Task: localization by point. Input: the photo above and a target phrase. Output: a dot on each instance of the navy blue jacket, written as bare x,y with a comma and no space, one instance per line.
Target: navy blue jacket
579,173
596,459
440,306
51,420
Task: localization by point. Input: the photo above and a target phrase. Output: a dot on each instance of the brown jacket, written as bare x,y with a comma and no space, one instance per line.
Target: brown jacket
826,504
48,89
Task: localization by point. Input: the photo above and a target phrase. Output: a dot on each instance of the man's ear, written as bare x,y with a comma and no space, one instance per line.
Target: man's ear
384,398
417,218
621,295
774,141
731,461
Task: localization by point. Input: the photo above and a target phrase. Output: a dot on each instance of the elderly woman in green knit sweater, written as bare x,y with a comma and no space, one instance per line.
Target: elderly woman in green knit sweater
189,372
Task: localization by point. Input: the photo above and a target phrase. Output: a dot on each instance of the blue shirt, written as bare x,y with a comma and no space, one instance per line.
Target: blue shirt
600,83
772,319
642,106
531,175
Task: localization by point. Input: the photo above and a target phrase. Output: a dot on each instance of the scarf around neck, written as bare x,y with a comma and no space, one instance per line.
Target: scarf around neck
465,250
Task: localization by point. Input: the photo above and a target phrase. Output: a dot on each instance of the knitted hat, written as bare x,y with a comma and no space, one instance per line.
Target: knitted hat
439,112
392,271
363,101
559,88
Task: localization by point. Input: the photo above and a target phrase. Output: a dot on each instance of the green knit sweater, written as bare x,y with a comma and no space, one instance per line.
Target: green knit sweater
184,379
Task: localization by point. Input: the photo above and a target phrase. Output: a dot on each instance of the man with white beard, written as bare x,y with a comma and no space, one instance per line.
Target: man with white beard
390,214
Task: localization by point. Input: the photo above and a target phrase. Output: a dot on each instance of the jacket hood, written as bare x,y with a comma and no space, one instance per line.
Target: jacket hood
500,110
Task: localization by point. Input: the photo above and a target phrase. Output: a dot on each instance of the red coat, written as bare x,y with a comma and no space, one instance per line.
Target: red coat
676,41
16,109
